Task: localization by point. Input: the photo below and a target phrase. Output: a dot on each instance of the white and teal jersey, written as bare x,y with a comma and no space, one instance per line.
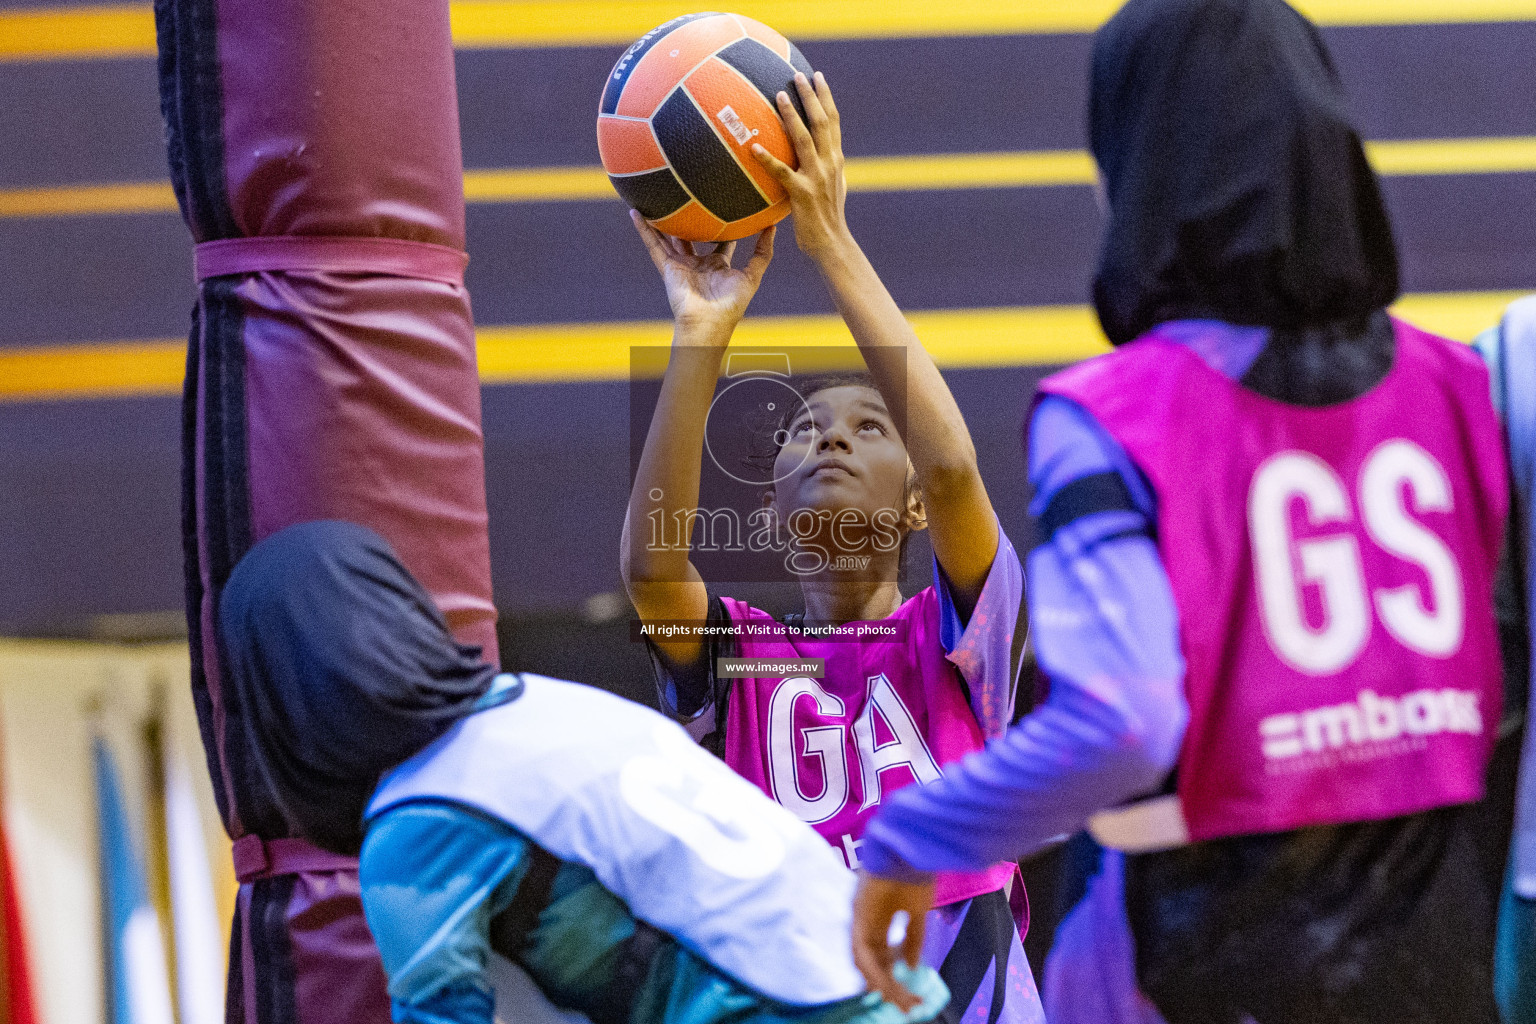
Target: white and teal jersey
687,845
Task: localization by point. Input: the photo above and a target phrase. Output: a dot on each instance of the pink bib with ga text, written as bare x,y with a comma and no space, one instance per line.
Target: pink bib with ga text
889,711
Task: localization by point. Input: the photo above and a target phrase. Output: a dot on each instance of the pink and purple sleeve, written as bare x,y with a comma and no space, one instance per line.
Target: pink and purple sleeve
981,647
1105,632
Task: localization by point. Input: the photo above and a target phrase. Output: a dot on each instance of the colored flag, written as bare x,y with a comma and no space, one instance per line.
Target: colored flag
16,1003
15,975
138,987
199,941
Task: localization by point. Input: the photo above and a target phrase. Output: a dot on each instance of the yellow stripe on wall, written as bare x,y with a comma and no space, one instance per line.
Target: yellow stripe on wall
88,200
1459,315
115,370
1353,13
958,339
564,184
971,170
129,31
492,24
968,338
865,174
1453,156
77,33
936,172
537,185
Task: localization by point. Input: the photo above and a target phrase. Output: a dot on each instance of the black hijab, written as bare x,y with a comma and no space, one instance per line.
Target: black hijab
342,667
1238,189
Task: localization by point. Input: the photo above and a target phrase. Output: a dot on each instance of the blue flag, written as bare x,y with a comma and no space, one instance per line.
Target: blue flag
138,985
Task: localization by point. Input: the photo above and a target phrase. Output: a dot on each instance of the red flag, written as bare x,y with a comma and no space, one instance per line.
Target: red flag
16,1006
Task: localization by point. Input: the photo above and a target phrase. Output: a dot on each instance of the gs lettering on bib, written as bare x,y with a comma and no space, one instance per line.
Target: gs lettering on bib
889,711
1333,571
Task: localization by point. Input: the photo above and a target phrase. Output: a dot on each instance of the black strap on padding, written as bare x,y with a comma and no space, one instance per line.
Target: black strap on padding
1085,496
985,939
510,928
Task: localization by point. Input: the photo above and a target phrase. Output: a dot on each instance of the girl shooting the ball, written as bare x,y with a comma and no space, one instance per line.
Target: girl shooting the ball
891,708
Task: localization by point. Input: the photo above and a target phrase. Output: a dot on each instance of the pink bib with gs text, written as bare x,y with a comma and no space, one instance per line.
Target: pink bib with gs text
1333,571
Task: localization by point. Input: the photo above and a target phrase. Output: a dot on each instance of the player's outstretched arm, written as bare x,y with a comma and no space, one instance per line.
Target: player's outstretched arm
960,517
708,298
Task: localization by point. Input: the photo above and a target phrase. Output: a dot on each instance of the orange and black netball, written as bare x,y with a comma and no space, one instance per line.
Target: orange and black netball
680,114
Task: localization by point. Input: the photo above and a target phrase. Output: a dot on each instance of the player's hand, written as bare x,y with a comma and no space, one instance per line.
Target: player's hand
708,296
875,905
817,189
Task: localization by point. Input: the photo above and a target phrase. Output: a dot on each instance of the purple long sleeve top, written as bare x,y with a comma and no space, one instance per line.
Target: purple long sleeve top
1105,630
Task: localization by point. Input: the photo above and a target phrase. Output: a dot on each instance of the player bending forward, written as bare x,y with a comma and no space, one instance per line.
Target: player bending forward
630,874
1270,522
887,453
